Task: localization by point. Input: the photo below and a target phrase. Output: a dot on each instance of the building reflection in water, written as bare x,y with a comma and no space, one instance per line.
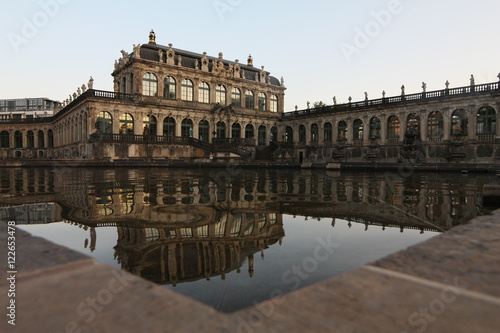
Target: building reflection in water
177,225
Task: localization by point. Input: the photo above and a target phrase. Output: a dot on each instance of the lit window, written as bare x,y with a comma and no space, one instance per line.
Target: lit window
262,102
236,97
249,99
169,90
274,104
187,90
204,93
220,94
149,85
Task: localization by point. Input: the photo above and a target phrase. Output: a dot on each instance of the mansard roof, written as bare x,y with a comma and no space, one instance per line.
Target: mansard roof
150,52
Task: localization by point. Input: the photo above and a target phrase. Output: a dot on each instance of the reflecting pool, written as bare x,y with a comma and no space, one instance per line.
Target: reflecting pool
232,237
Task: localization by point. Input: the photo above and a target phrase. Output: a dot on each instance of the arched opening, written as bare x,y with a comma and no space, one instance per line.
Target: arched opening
18,139
169,88
249,131
459,122
187,128
220,94
204,130
357,129
274,104
486,120
289,134
435,124
236,97
169,126
262,135
236,131
204,93
30,139
249,99
262,101
314,133
342,130
126,124
274,134
50,137
302,134
4,139
374,128
104,123
41,139
221,130
149,85
150,125
327,132
413,124
393,129
187,90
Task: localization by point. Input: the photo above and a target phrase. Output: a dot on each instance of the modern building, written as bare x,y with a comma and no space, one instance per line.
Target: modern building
27,108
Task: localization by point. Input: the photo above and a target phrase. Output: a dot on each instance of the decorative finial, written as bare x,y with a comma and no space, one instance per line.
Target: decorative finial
250,60
170,45
152,37
220,55
237,61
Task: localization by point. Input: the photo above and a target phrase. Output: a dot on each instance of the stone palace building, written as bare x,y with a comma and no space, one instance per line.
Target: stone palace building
169,104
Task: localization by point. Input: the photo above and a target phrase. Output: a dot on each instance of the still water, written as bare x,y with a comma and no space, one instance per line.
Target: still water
231,237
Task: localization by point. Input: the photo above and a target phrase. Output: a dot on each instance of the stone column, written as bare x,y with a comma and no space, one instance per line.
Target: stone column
446,125
424,128
472,125
402,126
159,124
349,130
366,130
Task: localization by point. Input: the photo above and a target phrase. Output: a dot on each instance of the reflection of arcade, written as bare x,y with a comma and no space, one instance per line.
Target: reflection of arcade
170,255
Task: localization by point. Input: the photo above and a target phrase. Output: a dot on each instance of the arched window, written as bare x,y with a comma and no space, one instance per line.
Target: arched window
149,85
18,139
235,131
169,87
459,122
187,128
204,130
124,85
221,130
4,139
393,127
302,134
30,139
104,123
150,127
50,135
274,134
236,97
357,129
262,135
289,134
41,139
169,126
274,104
374,128
204,93
342,130
435,124
249,99
413,124
262,102
126,124
187,90
314,133
486,120
220,94
249,131
328,129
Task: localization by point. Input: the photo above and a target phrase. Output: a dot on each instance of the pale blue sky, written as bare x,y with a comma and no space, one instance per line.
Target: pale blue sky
316,45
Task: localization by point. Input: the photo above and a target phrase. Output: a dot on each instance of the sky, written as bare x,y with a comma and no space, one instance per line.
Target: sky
322,48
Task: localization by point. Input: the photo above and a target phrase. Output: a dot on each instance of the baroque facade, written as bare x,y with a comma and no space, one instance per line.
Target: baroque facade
171,104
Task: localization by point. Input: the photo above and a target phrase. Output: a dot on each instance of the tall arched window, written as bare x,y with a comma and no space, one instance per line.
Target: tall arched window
104,123
187,90
18,139
262,135
374,128
262,102
221,130
327,132
486,120
235,131
289,134
204,130
357,129
342,130
274,134
30,139
150,127
249,131
204,93
435,124
50,136
302,134
169,126
4,139
413,124
249,99
169,88
41,139
314,133
126,124
459,122
236,97
187,128
393,127
274,104
149,85
124,85
220,94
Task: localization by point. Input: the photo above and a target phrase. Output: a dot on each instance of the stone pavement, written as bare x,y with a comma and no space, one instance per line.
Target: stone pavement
450,283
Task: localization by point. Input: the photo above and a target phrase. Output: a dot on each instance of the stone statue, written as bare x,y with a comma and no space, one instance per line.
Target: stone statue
296,107
196,63
424,86
403,89
125,54
70,98
447,84
74,96
334,100
366,96
383,93
84,88
78,91
308,105
91,83
350,99
137,51
160,55
472,81
282,81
